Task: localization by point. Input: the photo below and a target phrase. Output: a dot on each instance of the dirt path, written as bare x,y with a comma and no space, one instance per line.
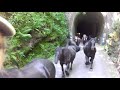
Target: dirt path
102,68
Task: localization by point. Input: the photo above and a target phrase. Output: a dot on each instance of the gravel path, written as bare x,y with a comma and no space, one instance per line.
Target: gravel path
102,67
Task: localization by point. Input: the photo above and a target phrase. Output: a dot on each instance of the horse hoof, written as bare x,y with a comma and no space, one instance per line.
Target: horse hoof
63,76
70,68
67,73
87,63
91,69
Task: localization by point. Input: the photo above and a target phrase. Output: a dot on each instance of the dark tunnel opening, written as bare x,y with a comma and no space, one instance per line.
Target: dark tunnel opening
91,24
87,28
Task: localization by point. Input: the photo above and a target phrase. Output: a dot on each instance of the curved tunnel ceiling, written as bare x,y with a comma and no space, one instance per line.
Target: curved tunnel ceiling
90,24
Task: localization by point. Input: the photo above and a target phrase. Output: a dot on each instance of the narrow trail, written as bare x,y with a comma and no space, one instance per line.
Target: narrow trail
102,67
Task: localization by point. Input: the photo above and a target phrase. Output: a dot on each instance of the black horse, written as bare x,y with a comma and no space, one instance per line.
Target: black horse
65,55
90,50
37,68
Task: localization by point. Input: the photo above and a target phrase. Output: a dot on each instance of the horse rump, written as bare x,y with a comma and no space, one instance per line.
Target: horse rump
39,68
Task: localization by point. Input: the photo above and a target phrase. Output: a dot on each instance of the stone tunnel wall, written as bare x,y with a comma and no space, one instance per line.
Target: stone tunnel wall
109,18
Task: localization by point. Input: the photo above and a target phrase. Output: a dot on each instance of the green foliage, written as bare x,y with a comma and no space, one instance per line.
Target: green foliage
116,27
37,35
114,38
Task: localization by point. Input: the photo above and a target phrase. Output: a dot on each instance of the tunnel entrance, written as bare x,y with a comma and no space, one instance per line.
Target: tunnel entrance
91,24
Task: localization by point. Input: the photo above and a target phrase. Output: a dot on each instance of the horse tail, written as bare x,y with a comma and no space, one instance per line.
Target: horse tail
47,73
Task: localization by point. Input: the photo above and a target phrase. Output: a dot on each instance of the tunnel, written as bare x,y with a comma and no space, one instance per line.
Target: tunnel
90,23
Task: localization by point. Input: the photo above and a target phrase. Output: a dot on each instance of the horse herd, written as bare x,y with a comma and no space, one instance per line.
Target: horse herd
43,68
67,54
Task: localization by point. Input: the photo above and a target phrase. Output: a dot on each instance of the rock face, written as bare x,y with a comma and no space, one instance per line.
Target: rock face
103,20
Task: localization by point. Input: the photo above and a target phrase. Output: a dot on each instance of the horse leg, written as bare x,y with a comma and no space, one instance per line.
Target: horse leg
63,74
91,60
67,70
87,60
71,65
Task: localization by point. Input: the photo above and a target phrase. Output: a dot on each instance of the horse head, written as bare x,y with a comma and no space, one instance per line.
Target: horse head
93,41
77,48
84,37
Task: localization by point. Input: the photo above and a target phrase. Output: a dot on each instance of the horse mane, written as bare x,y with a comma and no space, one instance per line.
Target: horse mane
72,46
89,41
